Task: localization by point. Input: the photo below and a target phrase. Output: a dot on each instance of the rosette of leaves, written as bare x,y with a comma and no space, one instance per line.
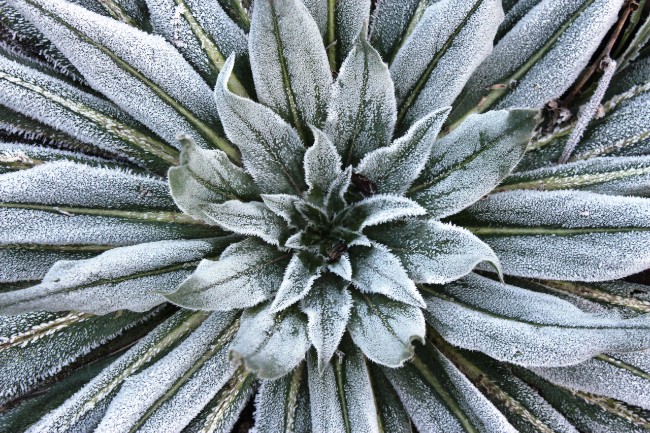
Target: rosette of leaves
320,210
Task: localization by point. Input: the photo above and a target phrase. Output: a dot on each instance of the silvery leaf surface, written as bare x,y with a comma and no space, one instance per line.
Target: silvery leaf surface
470,161
394,417
437,59
289,62
391,22
270,345
361,115
15,156
303,269
322,166
246,274
283,205
376,270
119,279
350,18
393,169
385,329
327,307
271,149
579,235
207,176
432,252
526,327
379,209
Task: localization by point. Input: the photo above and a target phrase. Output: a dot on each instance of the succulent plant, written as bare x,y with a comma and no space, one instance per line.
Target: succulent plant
327,216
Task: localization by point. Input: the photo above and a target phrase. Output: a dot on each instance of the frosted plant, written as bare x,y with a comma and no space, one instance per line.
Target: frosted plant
327,216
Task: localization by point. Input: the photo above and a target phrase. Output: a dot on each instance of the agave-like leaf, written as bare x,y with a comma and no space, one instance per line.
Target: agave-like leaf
432,252
16,156
26,266
592,237
171,392
385,329
247,273
361,115
299,277
270,345
289,63
526,327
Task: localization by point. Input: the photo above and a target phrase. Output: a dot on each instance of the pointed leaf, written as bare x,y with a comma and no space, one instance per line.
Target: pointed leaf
271,149
393,169
119,279
472,160
525,327
207,176
302,271
345,21
247,273
361,115
319,12
327,307
394,417
270,345
322,166
289,63
341,396
342,267
375,270
29,265
250,219
450,41
379,209
335,197
564,235
391,23
432,252
384,329
283,205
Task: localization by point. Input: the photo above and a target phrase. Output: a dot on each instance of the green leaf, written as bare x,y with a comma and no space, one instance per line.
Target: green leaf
289,63
21,156
270,345
22,265
525,327
432,252
299,277
393,169
392,416
564,235
163,92
322,166
103,386
468,163
379,209
385,329
283,205
449,42
341,396
249,219
207,176
247,273
345,19
376,270
272,151
392,22
172,391
327,307
361,114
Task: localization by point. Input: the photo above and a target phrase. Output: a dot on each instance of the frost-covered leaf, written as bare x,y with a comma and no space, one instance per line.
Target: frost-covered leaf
335,197
609,175
361,114
319,12
163,91
289,63
541,56
385,329
21,156
432,252
94,395
393,169
270,345
468,163
379,209
349,17
246,274
282,405
207,176
391,23
302,271
327,307
393,417
64,183
565,235
203,33
342,267
283,205
525,327
26,266
84,116
119,279
341,396
322,166
439,398
37,346
271,149
250,219
450,41
376,270
171,392
623,376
